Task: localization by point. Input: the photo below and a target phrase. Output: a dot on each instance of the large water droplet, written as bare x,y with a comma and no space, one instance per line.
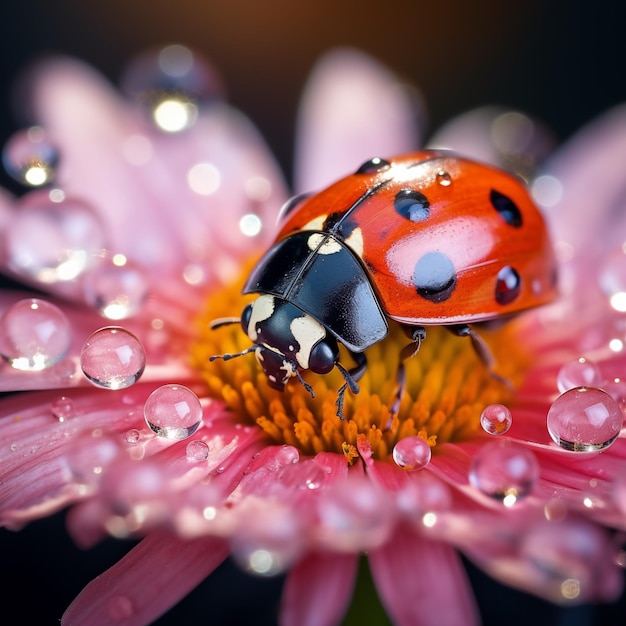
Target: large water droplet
116,287
504,471
173,412
30,158
411,453
578,373
53,241
34,335
496,419
172,82
584,419
113,358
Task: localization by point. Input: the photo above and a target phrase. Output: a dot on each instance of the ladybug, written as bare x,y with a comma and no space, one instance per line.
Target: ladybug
428,238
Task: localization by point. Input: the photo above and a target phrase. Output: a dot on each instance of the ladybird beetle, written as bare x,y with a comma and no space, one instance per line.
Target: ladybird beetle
428,238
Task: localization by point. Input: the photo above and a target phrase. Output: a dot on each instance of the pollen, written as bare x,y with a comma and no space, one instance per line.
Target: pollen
447,386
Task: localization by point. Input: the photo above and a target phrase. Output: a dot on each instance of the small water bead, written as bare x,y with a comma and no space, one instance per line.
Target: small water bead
584,419
411,453
53,241
504,471
133,436
34,335
443,178
496,419
63,408
113,358
580,372
173,412
30,158
197,450
116,287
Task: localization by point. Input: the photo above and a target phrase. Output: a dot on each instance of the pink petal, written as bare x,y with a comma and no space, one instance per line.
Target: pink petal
422,582
138,588
352,109
318,590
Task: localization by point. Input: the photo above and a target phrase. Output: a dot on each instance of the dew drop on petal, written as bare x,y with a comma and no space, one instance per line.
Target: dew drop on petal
197,450
496,419
133,436
584,419
504,472
411,453
173,412
30,158
580,372
34,335
113,358
63,408
116,287
307,475
53,241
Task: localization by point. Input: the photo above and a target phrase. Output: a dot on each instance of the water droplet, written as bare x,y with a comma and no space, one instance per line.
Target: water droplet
34,335
113,358
503,471
307,474
173,412
172,82
584,419
30,158
116,287
411,453
443,178
287,455
63,408
53,241
578,373
496,419
197,450
120,608
133,436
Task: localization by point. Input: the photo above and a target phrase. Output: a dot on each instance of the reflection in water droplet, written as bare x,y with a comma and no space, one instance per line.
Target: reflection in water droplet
113,358
63,408
173,412
116,287
411,453
503,471
34,335
496,419
443,178
578,373
584,419
197,450
52,241
30,158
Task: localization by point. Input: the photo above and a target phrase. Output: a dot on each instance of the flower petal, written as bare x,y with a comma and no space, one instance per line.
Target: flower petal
353,109
138,588
420,581
318,589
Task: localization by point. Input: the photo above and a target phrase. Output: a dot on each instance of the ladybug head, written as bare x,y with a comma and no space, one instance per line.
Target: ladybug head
287,340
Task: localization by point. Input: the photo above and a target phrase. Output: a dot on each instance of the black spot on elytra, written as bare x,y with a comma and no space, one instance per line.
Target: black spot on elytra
506,208
434,277
412,205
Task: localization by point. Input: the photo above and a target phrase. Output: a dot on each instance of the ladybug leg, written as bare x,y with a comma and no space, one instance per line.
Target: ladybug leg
350,376
482,350
417,335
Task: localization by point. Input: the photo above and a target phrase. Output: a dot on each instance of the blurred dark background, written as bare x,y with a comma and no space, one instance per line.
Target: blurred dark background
563,62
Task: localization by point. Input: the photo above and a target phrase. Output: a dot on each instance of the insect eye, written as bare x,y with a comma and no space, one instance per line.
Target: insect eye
323,357
246,314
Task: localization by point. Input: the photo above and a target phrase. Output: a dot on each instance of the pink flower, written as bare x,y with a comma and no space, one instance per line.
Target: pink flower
149,227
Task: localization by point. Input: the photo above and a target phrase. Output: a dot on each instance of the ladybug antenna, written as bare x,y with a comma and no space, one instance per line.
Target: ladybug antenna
303,382
350,382
228,357
224,321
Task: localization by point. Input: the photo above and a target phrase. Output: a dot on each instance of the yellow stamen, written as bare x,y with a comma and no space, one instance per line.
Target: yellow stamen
447,387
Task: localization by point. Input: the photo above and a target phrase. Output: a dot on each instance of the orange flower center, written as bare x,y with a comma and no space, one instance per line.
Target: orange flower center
447,387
